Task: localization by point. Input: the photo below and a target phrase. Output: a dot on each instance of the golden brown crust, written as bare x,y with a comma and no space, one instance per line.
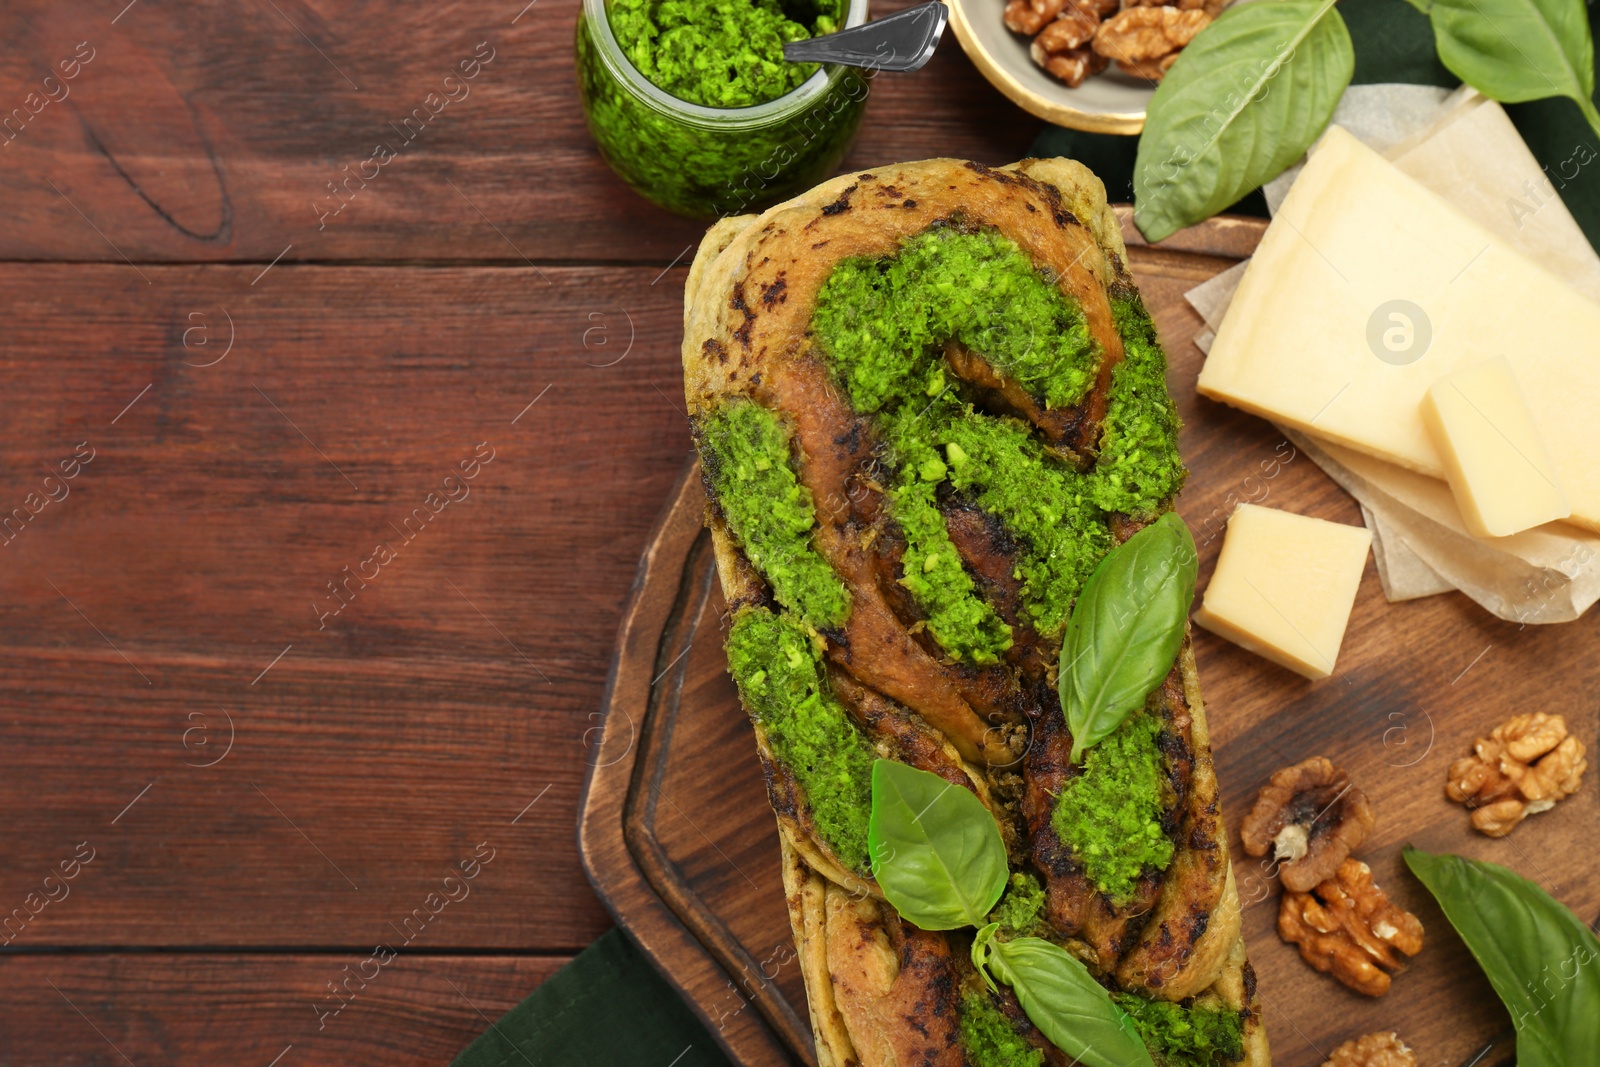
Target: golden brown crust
894,985
1155,932
1235,988
806,893
794,823
1185,942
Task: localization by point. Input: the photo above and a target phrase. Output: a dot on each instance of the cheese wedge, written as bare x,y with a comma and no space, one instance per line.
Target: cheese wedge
1367,288
1284,586
1494,456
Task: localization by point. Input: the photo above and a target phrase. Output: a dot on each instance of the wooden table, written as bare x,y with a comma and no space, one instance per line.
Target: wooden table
276,743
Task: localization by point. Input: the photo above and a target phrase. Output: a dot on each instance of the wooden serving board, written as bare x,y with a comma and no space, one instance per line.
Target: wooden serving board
677,837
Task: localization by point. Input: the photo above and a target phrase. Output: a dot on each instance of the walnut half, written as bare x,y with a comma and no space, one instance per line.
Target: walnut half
1312,817
1347,926
1062,31
1523,767
1071,65
1382,1049
1031,16
1073,39
1138,37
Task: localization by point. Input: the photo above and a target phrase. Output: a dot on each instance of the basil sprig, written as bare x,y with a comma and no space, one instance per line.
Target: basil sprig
1542,961
1517,50
1244,100
1071,1009
937,856
1126,629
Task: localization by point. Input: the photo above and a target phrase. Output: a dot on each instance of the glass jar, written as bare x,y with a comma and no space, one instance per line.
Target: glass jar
705,162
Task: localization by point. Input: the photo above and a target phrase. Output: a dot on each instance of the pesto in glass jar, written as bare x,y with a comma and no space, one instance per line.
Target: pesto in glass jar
692,104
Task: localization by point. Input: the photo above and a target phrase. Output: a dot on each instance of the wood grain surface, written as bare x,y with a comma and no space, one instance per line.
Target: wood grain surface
211,132
239,1008
268,392
183,584
1416,683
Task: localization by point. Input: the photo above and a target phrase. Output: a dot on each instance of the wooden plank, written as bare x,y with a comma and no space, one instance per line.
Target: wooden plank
181,585
214,136
1416,683
239,1008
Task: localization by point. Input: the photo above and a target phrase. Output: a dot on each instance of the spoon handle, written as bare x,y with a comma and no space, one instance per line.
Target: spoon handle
902,42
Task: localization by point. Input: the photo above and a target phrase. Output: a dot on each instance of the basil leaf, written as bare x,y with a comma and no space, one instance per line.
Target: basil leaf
1244,100
1071,1009
936,851
1516,50
1542,961
1126,628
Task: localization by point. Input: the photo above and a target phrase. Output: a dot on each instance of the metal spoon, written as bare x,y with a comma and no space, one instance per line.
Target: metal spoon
902,42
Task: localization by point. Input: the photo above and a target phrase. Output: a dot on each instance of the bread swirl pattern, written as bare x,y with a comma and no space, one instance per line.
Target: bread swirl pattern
927,401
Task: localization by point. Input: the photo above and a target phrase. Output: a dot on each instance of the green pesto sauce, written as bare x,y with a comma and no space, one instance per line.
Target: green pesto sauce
1041,501
1185,1037
1021,908
988,1038
1110,814
768,511
711,170
884,321
776,665
716,53
964,624
1138,465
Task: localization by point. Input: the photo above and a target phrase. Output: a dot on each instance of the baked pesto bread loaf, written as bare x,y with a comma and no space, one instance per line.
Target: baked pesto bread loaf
927,401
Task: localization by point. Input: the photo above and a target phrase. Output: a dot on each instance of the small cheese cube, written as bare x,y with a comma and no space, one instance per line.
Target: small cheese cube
1495,458
1284,586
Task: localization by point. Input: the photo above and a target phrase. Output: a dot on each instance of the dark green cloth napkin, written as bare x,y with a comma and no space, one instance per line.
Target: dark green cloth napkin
607,1008
1394,43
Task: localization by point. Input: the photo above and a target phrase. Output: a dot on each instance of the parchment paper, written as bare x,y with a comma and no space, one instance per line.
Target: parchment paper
1550,573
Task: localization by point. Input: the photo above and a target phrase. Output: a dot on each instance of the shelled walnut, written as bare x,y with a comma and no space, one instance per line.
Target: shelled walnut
1311,817
1031,16
1073,39
1071,65
1061,32
1062,47
1347,926
1149,69
1146,35
1523,767
1383,1049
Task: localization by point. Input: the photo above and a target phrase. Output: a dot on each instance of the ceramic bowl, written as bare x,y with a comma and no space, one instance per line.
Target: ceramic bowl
1108,102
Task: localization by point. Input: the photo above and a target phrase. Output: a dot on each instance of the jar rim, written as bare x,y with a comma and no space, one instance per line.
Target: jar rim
808,93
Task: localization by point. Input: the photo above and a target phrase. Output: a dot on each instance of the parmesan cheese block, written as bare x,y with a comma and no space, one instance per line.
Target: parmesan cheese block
1494,456
1367,288
1284,586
